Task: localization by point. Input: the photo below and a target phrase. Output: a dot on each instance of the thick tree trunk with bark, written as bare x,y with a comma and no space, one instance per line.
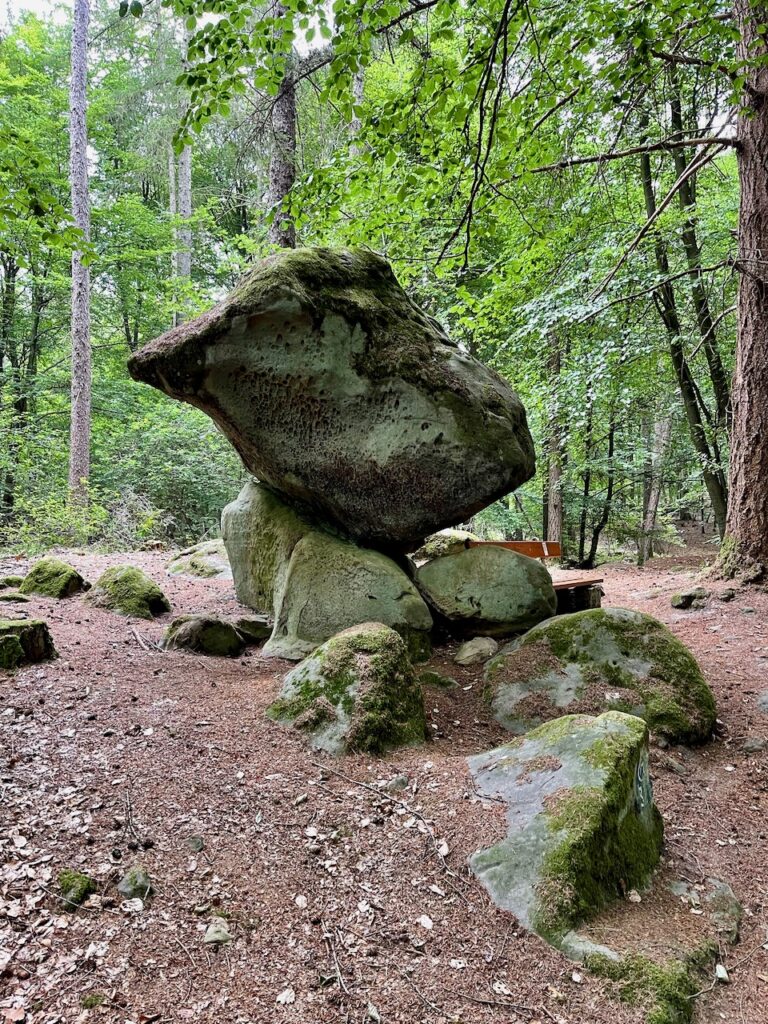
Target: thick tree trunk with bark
745,549
282,164
80,423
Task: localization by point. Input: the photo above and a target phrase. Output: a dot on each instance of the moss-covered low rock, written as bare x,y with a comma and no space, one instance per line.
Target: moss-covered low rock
135,884
582,824
357,692
254,629
24,642
204,634
128,590
444,542
600,659
75,888
50,577
206,560
13,597
11,582
488,590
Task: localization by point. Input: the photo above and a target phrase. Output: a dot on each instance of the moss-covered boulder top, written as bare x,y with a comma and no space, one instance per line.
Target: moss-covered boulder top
206,560
24,642
51,577
204,634
582,826
339,392
128,590
596,660
356,692
488,590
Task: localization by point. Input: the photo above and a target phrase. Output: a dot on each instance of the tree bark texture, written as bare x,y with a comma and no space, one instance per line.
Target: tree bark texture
282,164
80,419
746,545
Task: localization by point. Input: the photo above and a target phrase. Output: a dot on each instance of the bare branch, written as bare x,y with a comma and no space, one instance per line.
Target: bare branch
651,147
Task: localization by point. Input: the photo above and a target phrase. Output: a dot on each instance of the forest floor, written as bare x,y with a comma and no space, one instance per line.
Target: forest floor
339,909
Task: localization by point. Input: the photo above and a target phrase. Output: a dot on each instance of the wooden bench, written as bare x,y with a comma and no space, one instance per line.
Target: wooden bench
575,593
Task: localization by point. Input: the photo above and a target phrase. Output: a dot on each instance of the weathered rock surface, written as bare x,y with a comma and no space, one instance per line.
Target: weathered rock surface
204,634
254,629
476,651
135,884
24,642
50,577
695,598
610,658
488,590
582,825
315,584
129,591
207,560
355,693
75,888
337,391
444,542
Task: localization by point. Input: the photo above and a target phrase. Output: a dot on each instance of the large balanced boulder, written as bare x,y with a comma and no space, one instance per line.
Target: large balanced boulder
50,577
489,590
341,394
206,560
24,642
355,693
582,827
129,591
601,659
314,583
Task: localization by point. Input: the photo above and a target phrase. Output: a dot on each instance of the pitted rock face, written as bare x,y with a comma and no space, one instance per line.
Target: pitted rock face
340,393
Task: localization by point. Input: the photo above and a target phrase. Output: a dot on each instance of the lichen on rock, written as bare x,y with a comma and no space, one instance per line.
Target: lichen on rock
129,591
204,634
206,560
357,692
50,577
596,660
582,824
489,590
444,542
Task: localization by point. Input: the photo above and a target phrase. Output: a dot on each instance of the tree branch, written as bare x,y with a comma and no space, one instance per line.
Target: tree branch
651,147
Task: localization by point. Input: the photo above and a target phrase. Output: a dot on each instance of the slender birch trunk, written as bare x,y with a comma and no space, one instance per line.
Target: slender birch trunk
80,421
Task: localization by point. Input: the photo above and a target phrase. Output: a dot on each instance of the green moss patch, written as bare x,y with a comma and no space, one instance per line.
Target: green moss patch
356,692
11,581
51,577
24,642
129,591
602,659
75,888
207,560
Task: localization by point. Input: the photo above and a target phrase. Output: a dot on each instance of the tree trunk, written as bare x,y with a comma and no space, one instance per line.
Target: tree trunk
172,207
712,473
587,481
554,496
80,423
662,431
358,92
605,515
282,164
746,546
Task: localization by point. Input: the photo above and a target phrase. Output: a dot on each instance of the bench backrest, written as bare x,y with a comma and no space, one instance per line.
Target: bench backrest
532,548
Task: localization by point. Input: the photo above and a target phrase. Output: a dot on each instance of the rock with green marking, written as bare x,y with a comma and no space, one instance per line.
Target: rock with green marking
314,582
75,888
591,661
24,642
340,393
204,634
207,560
582,827
489,590
357,692
128,590
135,884
50,577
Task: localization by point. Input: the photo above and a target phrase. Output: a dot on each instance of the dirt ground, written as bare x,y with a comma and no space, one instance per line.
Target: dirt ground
339,905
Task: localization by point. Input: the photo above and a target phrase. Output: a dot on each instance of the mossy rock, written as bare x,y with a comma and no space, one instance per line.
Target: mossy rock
24,642
664,990
487,590
51,577
206,560
204,634
357,692
254,629
340,393
13,597
431,678
75,888
11,581
582,824
444,542
695,598
129,591
609,658
135,884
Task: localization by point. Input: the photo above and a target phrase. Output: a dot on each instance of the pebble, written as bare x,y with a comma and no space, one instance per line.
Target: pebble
217,932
